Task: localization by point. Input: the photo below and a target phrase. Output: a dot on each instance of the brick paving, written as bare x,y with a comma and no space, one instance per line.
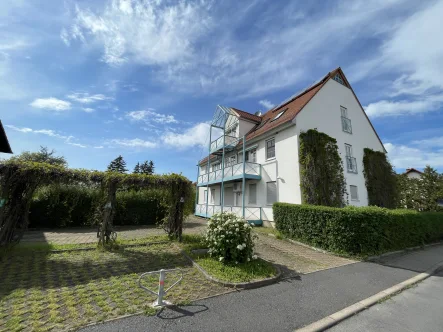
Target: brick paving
193,225
295,259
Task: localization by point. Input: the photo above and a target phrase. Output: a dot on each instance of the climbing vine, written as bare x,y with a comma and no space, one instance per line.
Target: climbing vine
20,180
380,178
321,170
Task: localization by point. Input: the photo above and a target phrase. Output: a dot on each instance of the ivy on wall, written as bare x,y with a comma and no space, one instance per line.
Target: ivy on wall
380,178
321,170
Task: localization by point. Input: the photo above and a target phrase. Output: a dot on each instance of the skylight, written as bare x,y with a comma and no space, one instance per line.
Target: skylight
279,115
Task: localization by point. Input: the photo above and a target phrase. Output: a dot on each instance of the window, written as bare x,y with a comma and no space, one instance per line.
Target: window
278,115
230,160
205,196
339,79
351,162
212,196
232,131
252,198
270,148
271,192
216,166
345,121
354,193
251,156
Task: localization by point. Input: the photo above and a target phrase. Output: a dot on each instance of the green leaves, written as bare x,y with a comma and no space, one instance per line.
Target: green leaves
321,173
357,230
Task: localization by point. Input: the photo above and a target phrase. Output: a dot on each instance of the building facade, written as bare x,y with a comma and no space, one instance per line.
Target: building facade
253,158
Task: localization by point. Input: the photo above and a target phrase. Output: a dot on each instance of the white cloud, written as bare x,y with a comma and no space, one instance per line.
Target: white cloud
149,32
403,156
151,116
47,132
99,147
134,143
385,108
88,109
194,136
51,103
434,142
266,103
86,98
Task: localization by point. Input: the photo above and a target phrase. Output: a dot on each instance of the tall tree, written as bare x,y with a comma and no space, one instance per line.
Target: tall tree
137,169
44,155
430,188
147,167
118,165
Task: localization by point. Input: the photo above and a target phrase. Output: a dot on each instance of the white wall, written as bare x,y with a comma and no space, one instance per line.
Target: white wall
245,127
323,112
413,175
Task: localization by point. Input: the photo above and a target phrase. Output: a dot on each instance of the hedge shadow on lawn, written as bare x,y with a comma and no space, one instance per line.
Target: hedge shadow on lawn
54,270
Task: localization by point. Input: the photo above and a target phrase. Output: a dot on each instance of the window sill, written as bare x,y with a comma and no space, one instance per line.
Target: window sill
271,159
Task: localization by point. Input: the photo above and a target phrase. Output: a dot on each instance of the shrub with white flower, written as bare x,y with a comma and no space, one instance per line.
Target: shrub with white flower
230,238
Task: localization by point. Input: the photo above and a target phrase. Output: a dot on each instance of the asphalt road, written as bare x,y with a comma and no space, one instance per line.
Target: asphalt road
288,305
417,309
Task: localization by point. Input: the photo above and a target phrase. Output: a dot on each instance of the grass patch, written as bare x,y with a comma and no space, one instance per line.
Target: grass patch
268,230
254,270
66,290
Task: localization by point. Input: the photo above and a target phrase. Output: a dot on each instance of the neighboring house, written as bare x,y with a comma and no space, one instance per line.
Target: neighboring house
253,158
4,144
413,173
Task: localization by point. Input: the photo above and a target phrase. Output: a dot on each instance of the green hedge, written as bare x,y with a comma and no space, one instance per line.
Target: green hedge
357,230
73,206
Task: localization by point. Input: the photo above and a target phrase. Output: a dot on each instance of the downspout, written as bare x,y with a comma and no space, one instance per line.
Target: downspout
243,177
277,178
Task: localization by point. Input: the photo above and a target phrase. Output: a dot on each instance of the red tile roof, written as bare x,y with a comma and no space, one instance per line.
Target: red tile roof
247,116
291,108
409,170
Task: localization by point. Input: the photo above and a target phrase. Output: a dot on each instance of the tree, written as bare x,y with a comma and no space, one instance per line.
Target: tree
42,156
147,167
118,165
137,169
430,188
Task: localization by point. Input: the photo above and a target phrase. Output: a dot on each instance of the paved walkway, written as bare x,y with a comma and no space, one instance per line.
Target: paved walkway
418,309
193,225
295,259
290,304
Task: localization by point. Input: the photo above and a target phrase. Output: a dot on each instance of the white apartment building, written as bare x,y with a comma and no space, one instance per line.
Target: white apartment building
253,158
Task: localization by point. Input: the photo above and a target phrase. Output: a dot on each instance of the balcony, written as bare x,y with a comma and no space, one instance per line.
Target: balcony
233,172
351,164
252,214
229,143
346,125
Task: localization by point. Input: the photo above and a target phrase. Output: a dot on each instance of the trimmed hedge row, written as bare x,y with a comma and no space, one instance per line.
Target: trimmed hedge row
73,206
357,230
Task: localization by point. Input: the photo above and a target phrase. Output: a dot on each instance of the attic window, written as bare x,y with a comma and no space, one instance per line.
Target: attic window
279,115
338,78
262,124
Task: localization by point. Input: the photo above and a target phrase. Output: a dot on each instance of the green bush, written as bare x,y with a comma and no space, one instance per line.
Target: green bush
74,206
230,238
357,230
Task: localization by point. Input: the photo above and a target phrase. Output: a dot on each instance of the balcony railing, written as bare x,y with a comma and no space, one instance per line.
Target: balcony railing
251,213
351,163
218,143
346,125
232,171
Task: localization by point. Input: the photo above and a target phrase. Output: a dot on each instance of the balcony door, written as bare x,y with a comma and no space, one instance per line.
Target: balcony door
228,196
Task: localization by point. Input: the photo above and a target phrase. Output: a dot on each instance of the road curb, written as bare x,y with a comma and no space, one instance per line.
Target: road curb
407,250
239,285
347,312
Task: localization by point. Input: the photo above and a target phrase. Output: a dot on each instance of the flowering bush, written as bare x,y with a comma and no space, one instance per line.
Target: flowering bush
230,238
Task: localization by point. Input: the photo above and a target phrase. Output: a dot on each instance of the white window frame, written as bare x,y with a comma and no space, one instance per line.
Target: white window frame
205,196
216,166
267,148
268,202
344,111
344,117
248,154
254,202
348,148
356,191
231,160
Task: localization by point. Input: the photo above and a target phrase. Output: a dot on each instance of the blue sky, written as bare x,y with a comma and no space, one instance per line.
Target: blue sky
95,79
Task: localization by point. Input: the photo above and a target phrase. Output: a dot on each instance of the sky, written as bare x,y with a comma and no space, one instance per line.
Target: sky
142,78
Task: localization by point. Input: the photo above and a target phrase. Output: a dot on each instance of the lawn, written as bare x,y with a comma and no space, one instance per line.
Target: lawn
42,290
